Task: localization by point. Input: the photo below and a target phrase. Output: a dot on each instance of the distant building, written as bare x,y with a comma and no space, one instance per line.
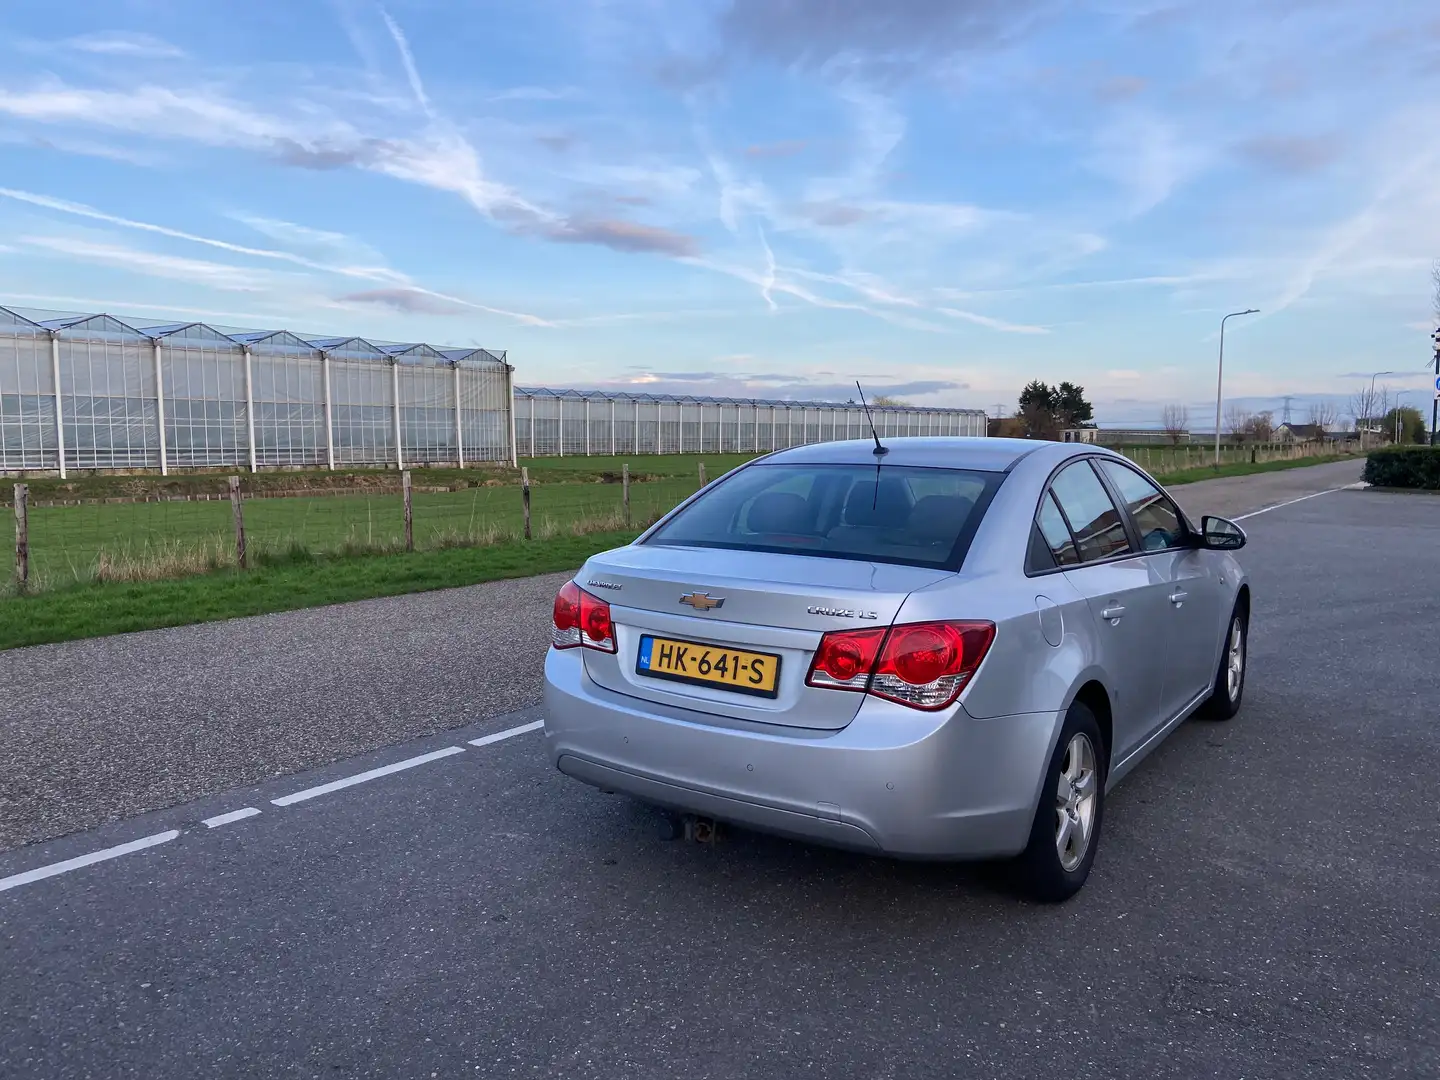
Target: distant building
1309,433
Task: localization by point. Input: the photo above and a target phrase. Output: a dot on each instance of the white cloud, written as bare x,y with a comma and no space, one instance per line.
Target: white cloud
1146,156
536,93
408,61
135,260
122,43
376,274
993,324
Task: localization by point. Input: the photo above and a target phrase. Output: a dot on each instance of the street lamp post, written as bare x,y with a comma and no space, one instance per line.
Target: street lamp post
1220,377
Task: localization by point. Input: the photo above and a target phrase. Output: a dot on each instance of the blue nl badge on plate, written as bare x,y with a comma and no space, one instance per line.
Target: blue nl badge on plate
646,644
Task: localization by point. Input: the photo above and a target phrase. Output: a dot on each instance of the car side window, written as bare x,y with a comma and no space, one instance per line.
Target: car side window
1056,533
1157,519
1094,520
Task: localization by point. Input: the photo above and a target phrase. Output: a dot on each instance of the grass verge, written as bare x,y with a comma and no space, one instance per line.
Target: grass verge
290,579
284,584
1210,472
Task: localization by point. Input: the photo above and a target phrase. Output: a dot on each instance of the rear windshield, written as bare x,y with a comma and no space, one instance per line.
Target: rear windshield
893,513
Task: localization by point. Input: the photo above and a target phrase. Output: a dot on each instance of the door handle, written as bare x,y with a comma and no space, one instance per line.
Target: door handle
1178,597
1113,613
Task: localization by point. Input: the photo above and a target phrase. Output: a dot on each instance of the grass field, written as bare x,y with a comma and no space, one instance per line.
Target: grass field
71,544
103,568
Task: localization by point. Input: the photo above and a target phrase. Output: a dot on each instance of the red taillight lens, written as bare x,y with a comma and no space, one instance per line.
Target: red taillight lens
922,665
567,609
581,619
596,618
845,659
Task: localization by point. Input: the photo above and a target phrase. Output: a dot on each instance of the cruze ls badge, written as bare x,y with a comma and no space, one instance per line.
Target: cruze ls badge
843,613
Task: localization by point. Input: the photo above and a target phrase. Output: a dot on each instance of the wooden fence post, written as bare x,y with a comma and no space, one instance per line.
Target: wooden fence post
625,491
702,474
409,511
239,513
525,498
22,535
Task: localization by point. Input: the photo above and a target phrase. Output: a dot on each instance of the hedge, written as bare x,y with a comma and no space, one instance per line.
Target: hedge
1404,467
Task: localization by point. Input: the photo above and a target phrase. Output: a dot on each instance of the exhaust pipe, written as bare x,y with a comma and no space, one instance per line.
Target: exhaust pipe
697,830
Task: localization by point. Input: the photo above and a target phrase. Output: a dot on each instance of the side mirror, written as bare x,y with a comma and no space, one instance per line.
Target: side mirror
1221,534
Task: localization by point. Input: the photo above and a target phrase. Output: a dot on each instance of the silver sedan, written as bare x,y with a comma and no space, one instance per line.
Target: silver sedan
937,649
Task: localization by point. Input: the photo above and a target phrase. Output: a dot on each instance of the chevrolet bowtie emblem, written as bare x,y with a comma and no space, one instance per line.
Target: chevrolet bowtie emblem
702,601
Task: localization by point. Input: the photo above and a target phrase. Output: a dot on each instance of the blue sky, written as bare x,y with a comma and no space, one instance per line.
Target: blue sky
945,198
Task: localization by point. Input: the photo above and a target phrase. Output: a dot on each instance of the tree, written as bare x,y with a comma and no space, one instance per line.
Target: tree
1071,408
1046,410
1323,417
1175,421
1037,410
1408,422
886,401
1368,405
1237,422
1261,427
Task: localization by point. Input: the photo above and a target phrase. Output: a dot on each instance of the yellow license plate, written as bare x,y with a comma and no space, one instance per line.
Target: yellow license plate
709,665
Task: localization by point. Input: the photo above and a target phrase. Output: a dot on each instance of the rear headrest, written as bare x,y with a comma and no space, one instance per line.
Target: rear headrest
940,517
863,506
780,512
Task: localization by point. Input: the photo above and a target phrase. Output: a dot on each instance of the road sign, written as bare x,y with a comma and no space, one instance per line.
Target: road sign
1437,387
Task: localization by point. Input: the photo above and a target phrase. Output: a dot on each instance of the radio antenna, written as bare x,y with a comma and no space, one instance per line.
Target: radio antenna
880,448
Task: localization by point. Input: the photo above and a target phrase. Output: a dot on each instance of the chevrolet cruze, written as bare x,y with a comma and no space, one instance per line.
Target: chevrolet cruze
937,649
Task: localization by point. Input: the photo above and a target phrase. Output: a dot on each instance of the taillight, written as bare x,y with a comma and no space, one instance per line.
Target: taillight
922,665
845,660
581,619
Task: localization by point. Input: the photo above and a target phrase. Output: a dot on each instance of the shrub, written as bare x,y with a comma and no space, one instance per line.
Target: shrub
1404,467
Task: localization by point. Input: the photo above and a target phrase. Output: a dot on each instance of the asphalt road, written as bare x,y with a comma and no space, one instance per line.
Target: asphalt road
97,731
1263,904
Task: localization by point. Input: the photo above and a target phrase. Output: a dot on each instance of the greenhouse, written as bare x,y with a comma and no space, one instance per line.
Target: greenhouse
95,392
578,422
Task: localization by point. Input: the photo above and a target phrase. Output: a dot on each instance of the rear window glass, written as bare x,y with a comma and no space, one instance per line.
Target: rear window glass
896,513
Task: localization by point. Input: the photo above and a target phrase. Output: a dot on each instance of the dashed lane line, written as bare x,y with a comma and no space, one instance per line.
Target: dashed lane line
508,733
364,777
40,873
230,818
1292,502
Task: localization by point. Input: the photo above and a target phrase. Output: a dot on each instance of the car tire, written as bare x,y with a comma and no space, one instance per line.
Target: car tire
1228,693
1066,829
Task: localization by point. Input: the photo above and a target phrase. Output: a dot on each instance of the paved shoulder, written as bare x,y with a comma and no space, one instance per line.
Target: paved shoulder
1233,496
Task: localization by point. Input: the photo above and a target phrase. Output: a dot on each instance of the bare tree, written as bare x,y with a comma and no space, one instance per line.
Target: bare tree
1367,406
1323,417
1237,422
1261,427
1175,421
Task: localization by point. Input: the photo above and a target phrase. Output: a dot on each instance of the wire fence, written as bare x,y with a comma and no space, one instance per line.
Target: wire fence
139,539
220,525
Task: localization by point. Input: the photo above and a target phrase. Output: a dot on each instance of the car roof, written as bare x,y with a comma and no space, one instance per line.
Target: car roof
949,452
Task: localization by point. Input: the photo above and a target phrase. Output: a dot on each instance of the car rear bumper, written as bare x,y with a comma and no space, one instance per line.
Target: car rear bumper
896,781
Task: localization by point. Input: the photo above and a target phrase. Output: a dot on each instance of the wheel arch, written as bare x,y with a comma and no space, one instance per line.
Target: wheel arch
1093,695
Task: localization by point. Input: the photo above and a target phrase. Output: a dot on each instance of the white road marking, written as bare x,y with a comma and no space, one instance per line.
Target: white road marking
373,774
230,818
508,733
1292,502
54,869
42,872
